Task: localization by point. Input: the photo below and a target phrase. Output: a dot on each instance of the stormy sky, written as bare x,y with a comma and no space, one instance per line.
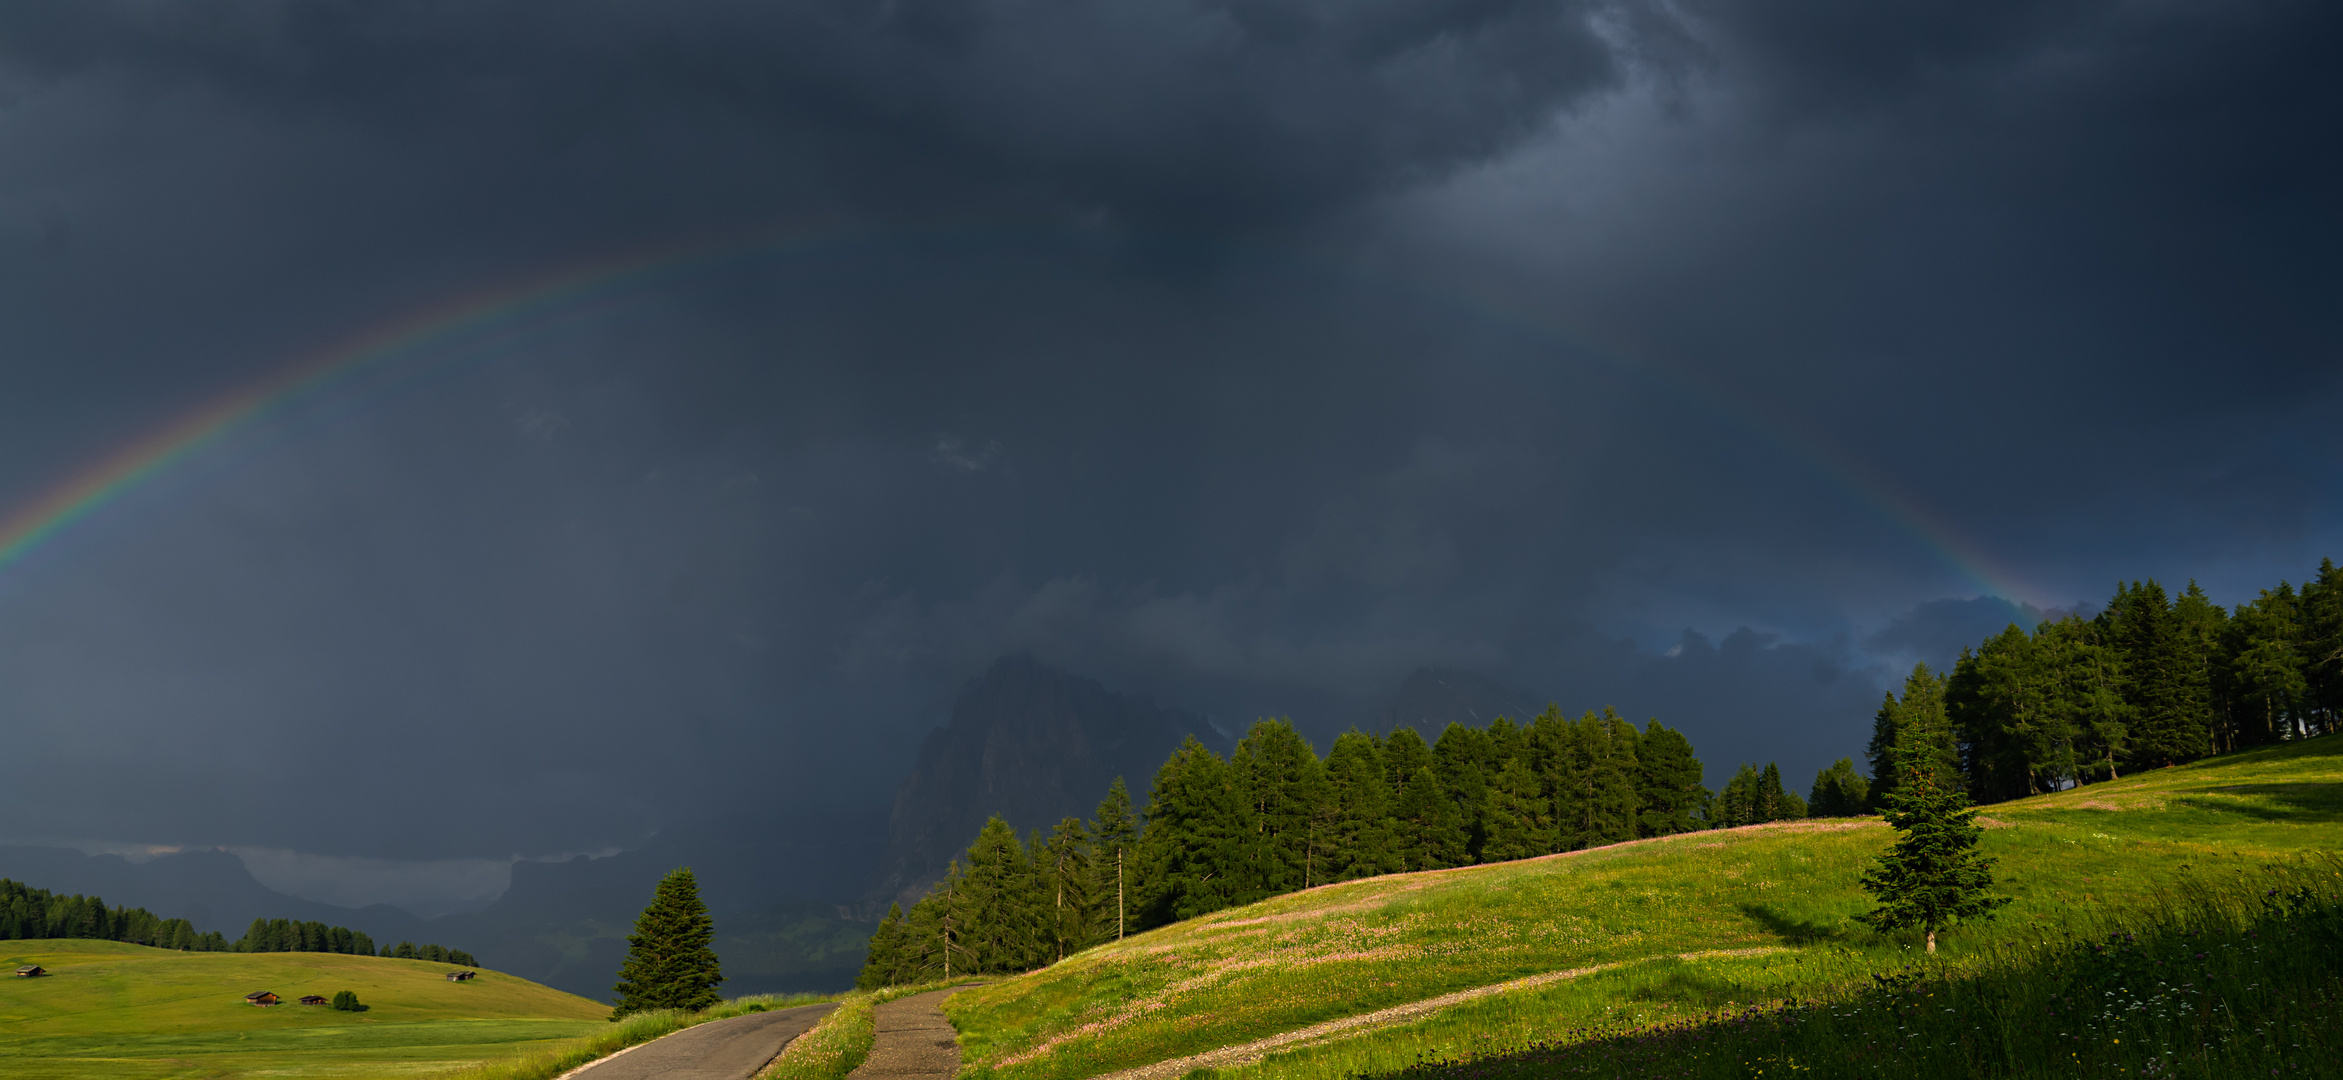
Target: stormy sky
1715,361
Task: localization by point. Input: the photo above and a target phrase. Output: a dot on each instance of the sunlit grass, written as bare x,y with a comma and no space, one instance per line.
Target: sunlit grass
1344,950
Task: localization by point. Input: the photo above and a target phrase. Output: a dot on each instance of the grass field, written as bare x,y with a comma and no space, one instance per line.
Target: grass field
1628,914
134,1013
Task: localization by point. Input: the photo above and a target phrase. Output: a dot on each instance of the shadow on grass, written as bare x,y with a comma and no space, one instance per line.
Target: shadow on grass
1794,929
2303,803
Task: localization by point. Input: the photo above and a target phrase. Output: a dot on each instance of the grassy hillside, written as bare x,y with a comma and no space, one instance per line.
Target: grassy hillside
1655,930
128,1011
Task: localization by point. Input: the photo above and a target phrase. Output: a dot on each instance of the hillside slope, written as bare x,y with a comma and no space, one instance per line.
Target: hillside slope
114,1010
1658,927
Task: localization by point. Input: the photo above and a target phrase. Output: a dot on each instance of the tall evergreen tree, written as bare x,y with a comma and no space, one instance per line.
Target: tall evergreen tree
1427,829
2141,622
882,963
1465,758
1595,797
2084,675
2322,648
670,961
1839,791
1065,862
1004,929
1114,838
1359,799
1517,814
1669,794
2197,632
1281,783
1933,876
1196,828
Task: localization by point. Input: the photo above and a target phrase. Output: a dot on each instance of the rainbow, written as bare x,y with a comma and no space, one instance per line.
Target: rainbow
40,520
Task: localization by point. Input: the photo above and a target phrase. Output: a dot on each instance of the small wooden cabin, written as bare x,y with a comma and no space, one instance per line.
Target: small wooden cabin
313,999
262,998
31,971
461,976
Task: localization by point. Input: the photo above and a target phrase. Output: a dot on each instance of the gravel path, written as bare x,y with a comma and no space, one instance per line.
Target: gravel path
913,1041
731,1049
1248,1053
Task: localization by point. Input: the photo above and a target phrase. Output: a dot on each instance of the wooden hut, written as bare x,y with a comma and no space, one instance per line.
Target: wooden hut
313,999
461,976
262,998
31,971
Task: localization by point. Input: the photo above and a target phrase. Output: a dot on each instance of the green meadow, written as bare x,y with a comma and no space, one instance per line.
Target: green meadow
132,1012
1670,931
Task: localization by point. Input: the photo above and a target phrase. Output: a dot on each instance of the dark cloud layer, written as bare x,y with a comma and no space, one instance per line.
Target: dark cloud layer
1248,355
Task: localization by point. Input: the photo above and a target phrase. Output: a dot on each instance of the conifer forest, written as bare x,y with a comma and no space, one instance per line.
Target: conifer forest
2148,681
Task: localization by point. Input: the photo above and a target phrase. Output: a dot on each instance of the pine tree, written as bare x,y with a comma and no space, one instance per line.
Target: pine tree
1839,791
885,955
1595,796
2322,647
1281,782
1065,862
1465,758
1518,817
1196,826
1669,793
1933,876
1358,798
1428,830
2263,669
2141,623
1115,833
1004,928
670,963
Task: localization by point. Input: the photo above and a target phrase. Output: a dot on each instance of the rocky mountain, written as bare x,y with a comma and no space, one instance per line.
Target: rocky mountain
565,924
1433,698
1031,743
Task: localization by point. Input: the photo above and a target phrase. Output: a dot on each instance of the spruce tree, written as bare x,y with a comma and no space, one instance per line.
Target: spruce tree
1359,803
1065,862
1518,817
1932,877
1427,827
1839,791
1281,783
1667,782
1196,825
1115,833
670,963
1465,758
884,956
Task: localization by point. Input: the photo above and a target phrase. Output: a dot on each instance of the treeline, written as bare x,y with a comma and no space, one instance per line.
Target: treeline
1274,817
294,935
27,912
2151,680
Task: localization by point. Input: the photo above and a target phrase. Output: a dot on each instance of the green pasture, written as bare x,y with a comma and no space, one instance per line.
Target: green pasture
1632,911
128,1011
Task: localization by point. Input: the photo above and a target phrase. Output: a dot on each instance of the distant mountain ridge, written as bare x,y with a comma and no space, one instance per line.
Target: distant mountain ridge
1433,698
1032,743
207,887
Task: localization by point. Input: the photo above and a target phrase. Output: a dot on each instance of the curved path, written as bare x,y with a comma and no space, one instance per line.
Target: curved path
730,1049
1248,1053
913,1040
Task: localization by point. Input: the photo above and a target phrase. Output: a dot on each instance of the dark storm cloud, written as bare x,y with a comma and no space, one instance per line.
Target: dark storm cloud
1249,355
1204,112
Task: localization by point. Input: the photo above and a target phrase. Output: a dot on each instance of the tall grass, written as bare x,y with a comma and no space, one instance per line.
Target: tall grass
2215,980
631,1031
840,1043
